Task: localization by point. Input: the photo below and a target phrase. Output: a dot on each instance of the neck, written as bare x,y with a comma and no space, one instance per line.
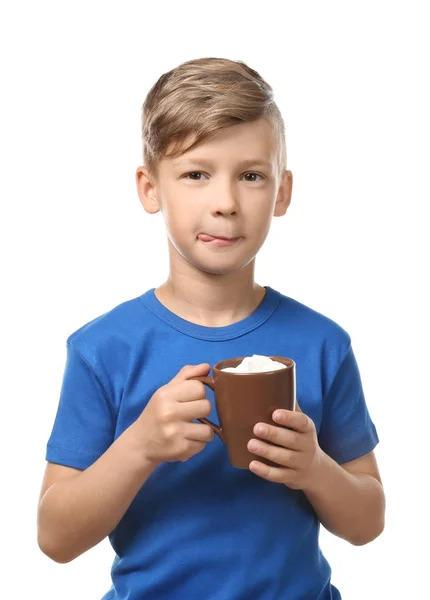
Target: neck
212,300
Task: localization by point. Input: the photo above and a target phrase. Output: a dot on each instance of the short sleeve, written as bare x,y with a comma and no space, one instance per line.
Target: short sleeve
347,431
84,426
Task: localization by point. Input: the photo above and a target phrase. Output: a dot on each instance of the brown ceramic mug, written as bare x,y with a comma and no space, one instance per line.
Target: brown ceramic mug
244,399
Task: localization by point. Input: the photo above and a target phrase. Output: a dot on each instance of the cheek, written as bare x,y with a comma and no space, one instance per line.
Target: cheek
179,218
261,217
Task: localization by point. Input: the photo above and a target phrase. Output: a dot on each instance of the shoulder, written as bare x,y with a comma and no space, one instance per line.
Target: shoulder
308,318
114,331
317,330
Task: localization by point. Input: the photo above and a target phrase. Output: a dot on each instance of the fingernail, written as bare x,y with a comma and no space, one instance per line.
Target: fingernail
277,415
253,445
261,430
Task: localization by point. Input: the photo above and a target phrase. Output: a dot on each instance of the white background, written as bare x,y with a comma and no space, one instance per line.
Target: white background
351,79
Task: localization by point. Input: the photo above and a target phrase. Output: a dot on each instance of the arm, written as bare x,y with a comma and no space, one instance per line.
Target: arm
78,509
349,499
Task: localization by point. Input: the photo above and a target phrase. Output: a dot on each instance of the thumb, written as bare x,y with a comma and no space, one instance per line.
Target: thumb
189,371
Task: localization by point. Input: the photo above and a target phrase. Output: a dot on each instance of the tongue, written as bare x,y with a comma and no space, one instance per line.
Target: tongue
206,238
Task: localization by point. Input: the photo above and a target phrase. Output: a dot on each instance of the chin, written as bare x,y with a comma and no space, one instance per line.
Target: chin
222,262
220,266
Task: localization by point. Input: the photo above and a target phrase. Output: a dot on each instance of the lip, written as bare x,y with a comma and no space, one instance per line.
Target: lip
212,240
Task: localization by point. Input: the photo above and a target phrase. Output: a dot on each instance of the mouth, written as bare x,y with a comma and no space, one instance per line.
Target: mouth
217,240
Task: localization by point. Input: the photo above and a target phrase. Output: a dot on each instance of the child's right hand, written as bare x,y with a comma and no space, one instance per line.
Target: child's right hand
165,431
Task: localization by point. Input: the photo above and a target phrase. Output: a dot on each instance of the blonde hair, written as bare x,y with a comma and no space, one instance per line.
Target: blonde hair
199,98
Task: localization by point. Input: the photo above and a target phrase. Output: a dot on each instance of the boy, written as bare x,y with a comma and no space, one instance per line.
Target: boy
127,458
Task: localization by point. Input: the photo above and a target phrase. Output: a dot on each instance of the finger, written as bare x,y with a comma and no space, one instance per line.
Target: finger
197,409
193,448
276,454
275,474
280,436
293,420
187,391
191,371
298,409
198,432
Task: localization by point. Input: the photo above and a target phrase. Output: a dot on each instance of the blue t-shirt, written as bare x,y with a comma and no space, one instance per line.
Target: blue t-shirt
204,529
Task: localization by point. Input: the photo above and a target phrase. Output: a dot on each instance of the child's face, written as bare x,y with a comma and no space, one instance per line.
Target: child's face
210,190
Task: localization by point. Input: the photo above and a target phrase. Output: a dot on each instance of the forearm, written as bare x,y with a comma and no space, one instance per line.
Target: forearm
77,513
351,506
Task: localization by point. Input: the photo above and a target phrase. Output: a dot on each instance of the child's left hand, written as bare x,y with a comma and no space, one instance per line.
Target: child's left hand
297,451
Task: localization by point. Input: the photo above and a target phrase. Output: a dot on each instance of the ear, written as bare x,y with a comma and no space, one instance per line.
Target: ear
283,198
147,190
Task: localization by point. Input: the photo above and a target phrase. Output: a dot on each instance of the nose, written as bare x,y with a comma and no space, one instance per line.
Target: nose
224,199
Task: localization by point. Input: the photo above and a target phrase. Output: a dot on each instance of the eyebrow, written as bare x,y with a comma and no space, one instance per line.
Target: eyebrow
252,162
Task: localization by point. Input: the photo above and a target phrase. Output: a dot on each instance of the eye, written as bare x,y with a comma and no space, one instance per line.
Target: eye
195,176
198,176
253,175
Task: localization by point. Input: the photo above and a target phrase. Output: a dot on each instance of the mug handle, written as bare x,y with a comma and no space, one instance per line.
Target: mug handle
209,381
